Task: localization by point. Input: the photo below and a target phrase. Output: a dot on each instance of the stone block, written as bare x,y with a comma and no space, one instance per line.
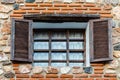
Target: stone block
5,9
37,70
7,49
9,75
65,70
88,70
51,70
25,68
3,16
77,70
8,1
29,1
19,1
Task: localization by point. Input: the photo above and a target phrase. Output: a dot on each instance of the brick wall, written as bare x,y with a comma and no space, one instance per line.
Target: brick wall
101,71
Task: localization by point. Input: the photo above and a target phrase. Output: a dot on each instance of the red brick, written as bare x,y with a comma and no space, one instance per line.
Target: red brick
66,76
106,16
89,5
110,75
90,12
102,78
66,8
17,71
37,76
47,11
53,8
15,65
94,8
81,8
23,79
12,79
16,15
98,72
51,76
22,75
19,11
33,11
96,75
60,5
76,12
44,79
98,68
81,75
74,5
26,8
87,78
45,5
105,12
62,12
31,5
39,8
97,64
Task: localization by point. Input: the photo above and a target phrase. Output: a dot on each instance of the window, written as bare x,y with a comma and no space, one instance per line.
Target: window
73,44
59,47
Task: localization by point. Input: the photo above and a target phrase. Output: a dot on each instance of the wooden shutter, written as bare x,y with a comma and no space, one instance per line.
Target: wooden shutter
100,40
21,40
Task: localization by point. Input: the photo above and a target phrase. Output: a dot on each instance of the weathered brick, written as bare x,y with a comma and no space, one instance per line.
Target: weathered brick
31,5
45,5
51,76
66,76
47,12
33,11
39,8
60,5
19,11
37,76
75,5
96,75
81,8
26,8
110,75
81,75
16,15
89,5
22,75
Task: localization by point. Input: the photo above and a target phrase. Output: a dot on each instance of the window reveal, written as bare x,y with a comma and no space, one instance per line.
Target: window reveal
59,47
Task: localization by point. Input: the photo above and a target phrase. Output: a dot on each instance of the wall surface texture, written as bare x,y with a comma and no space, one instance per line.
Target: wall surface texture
18,71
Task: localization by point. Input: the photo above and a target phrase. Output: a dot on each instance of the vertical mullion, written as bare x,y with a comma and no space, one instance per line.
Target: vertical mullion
67,43
84,37
49,34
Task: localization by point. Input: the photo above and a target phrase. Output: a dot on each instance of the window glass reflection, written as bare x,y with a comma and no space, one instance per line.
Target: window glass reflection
58,45
75,56
41,35
40,56
58,35
41,45
75,45
76,35
75,64
40,64
58,64
58,56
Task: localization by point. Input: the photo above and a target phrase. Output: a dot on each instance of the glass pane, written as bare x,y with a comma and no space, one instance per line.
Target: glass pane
41,56
75,45
76,35
75,56
41,45
58,56
58,64
58,35
75,64
41,35
58,45
40,64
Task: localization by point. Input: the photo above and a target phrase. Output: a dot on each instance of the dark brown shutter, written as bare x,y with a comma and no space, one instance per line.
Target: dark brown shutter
100,40
21,40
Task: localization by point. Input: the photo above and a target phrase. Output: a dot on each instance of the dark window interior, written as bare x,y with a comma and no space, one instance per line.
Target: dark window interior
61,47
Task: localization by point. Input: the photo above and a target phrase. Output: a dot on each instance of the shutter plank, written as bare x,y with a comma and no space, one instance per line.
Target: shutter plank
21,40
100,40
